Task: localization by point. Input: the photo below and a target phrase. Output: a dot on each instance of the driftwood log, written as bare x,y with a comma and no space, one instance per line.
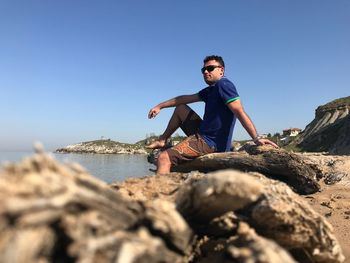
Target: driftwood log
301,171
279,164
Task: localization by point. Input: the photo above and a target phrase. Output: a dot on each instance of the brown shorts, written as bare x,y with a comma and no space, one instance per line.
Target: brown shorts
193,146
189,149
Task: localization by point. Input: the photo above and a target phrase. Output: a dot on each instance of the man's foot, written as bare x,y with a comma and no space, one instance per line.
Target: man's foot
156,145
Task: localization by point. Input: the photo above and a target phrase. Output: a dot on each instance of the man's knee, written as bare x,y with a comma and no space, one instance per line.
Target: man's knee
182,109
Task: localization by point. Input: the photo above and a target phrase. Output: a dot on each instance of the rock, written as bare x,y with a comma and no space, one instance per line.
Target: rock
246,246
51,212
269,206
334,178
152,187
295,225
331,168
152,157
250,247
224,225
163,219
217,193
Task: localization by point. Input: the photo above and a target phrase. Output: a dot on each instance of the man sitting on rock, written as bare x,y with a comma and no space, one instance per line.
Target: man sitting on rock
214,132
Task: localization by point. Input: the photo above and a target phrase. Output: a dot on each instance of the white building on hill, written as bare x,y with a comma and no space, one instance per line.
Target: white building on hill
289,133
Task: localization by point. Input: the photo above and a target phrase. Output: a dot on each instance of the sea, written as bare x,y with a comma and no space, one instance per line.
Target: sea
107,167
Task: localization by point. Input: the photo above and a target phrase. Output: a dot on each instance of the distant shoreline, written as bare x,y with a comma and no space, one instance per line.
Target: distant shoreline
103,147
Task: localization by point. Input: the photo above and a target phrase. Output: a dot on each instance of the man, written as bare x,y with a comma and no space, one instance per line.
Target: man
214,132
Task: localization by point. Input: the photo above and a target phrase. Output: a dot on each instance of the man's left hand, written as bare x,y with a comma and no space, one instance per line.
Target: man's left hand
265,141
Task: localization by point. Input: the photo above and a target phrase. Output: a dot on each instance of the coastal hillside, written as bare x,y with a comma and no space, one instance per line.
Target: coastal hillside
329,131
104,147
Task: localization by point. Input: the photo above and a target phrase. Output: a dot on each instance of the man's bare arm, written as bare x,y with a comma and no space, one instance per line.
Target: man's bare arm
237,108
183,99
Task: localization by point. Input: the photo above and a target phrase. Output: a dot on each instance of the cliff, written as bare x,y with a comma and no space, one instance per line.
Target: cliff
329,131
103,147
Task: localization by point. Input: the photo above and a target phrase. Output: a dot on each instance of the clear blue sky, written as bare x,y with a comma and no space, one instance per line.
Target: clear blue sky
76,70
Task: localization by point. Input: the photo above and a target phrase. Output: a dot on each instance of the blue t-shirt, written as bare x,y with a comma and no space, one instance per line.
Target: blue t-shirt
218,121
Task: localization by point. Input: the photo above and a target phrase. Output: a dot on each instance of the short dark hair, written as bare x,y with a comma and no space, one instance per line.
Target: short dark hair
216,58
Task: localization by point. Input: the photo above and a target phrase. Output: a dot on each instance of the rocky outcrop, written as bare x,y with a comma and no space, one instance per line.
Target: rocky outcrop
330,129
103,147
58,213
269,206
242,217
51,212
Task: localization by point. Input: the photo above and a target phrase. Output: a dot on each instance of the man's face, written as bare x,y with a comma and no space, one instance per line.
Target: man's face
212,72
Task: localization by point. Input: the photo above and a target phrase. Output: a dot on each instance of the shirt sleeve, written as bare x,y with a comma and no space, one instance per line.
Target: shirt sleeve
203,94
228,91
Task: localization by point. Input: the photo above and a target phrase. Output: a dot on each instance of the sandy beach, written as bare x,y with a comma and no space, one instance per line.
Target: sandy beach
333,202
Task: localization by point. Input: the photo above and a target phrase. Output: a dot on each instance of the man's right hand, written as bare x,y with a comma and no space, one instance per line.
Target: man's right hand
153,112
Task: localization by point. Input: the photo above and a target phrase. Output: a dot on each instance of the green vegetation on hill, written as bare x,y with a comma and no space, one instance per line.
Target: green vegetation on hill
335,103
174,138
293,146
111,143
144,141
178,138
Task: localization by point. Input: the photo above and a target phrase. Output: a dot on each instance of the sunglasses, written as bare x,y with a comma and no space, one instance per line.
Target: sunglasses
209,68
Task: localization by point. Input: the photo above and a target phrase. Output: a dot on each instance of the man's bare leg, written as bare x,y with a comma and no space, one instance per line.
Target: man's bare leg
179,116
164,163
